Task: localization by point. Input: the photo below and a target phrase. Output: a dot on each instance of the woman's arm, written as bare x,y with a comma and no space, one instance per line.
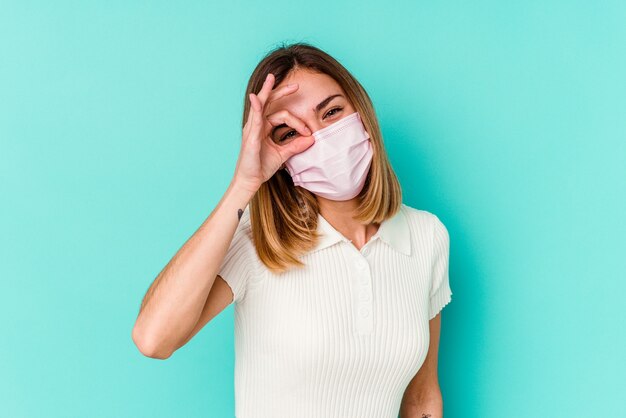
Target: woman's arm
175,306
175,300
422,397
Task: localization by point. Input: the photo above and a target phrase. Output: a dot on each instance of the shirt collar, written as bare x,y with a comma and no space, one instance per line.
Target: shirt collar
393,231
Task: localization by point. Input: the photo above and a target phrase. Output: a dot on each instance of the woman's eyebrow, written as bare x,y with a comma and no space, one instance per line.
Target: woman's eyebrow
319,107
325,101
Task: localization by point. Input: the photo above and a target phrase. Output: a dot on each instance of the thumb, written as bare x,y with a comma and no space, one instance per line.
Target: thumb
298,145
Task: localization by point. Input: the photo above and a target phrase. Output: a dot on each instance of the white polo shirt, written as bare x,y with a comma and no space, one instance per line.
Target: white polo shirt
343,336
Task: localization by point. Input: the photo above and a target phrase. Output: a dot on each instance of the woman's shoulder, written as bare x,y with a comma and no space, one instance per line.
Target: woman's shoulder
425,226
420,216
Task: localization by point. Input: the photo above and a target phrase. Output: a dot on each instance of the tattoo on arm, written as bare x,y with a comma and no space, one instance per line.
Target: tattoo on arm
426,415
239,213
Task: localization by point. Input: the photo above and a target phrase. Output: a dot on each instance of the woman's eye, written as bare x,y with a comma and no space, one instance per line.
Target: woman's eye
287,135
331,112
334,108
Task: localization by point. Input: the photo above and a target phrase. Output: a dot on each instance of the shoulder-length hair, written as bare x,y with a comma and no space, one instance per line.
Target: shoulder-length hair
283,216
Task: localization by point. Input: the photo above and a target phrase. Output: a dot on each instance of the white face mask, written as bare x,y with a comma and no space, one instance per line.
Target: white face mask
336,165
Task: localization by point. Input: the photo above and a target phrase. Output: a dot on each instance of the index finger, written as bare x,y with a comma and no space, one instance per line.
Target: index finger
268,84
281,92
268,91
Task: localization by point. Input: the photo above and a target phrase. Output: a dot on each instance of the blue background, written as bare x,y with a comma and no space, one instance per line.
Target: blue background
119,133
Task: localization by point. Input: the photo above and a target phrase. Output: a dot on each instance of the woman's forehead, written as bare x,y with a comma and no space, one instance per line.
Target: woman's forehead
312,89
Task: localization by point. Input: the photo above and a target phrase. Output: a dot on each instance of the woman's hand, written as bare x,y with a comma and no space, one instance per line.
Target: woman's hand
260,157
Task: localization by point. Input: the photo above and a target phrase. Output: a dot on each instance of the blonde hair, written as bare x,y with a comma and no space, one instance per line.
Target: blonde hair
283,216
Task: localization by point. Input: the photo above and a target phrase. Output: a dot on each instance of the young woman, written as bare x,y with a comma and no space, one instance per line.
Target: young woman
337,284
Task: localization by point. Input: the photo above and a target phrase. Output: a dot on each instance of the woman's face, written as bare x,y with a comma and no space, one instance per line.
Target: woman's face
318,102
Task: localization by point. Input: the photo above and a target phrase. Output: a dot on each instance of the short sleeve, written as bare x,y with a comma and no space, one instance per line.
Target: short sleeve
241,264
440,292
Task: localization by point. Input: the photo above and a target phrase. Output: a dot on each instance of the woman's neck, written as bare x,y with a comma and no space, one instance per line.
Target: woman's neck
340,214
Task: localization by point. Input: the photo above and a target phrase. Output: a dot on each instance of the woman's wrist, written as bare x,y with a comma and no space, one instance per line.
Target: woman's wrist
240,192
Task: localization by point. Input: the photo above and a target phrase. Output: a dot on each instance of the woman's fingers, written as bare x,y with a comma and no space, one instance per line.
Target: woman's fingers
254,106
254,101
256,118
251,111
257,104
267,87
296,147
285,117
268,94
260,101
281,92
